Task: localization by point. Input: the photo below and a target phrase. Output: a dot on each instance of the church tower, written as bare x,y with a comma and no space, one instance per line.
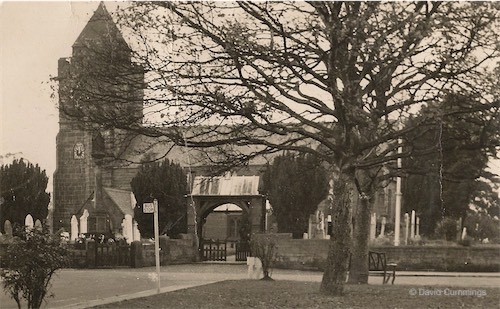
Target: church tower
98,79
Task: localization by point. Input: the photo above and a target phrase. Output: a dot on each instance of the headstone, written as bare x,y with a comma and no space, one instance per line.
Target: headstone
382,227
8,228
38,225
84,222
464,233
407,227
310,229
128,228
74,228
28,222
305,236
373,226
459,229
412,229
136,233
417,232
320,225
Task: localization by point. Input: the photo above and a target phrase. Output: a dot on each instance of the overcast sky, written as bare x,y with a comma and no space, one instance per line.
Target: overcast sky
33,36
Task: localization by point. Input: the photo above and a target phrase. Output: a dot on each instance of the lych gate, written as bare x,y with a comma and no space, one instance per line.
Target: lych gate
211,192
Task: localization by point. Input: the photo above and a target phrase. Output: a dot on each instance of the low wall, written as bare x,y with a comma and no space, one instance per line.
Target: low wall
172,251
447,258
311,254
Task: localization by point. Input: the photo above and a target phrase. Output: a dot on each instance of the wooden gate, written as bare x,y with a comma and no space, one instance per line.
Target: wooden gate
213,250
112,255
242,251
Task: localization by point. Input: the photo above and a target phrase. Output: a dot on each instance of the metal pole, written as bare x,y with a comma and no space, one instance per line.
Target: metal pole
397,214
157,243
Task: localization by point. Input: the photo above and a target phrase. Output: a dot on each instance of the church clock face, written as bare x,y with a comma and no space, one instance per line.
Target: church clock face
79,151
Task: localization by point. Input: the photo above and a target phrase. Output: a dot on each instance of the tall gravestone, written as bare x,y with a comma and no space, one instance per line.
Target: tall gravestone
84,222
74,228
28,222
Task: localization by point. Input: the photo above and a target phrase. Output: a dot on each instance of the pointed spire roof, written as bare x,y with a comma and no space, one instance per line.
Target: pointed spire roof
100,29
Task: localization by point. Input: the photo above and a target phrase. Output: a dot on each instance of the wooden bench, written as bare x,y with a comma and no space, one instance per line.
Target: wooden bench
377,264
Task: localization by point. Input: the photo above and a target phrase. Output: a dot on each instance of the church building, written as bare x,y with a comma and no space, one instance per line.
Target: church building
92,192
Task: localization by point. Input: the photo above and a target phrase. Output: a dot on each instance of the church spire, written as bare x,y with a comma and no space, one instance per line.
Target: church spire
101,13
100,30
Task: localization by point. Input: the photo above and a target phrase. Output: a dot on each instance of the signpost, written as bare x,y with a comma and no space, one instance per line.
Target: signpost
397,215
153,208
148,208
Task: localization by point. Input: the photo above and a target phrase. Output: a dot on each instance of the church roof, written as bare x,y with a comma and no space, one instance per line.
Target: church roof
101,29
123,199
150,148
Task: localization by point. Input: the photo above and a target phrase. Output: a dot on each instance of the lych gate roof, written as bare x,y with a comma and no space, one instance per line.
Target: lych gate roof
226,185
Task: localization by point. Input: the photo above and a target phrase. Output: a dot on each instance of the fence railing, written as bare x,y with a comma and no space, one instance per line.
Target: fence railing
112,255
96,255
214,250
242,251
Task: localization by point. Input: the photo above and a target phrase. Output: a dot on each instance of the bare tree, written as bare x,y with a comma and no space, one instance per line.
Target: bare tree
264,248
332,79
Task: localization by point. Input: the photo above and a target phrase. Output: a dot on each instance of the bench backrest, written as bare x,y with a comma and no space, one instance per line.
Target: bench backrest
377,261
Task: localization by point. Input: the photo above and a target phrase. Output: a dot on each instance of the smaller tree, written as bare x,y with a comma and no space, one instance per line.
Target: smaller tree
29,264
295,185
263,246
447,229
481,226
448,168
165,181
22,188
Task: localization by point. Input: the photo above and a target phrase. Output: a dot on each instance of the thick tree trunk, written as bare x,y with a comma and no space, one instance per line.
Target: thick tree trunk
358,272
337,262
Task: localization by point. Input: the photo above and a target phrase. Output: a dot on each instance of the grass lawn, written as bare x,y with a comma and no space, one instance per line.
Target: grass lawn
294,294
